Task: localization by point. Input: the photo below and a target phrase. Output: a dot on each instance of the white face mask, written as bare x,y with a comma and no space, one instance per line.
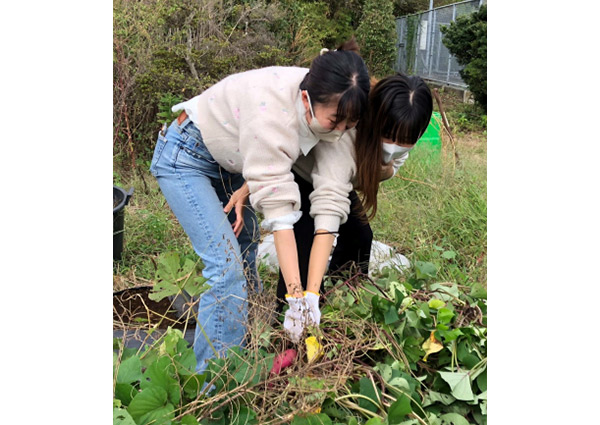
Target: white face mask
317,129
392,151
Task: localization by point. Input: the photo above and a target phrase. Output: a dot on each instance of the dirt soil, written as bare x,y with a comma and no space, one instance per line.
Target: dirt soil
133,309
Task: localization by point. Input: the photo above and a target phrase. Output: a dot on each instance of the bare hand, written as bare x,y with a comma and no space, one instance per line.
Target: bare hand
387,171
238,200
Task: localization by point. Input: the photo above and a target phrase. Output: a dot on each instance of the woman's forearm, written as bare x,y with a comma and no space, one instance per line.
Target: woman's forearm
319,256
287,255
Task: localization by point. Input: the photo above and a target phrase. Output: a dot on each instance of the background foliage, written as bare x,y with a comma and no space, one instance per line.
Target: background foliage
466,38
165,51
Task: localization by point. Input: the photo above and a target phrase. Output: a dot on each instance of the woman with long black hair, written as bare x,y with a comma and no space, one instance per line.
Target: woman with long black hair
399,111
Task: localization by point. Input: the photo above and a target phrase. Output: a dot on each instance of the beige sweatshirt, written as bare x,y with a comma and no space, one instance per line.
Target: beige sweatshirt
250,123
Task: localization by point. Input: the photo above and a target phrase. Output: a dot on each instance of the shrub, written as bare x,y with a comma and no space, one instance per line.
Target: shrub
466,39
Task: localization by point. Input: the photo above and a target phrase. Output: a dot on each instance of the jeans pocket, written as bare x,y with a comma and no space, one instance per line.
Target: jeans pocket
161,142
193,145
199,154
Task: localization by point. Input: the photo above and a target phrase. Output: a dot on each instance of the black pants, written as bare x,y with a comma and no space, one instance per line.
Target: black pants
353,242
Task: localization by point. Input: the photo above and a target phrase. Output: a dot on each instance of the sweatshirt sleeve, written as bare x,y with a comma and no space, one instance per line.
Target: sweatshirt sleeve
269,146
332,175
399,162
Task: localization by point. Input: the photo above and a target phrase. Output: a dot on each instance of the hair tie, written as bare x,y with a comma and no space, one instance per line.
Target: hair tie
323,50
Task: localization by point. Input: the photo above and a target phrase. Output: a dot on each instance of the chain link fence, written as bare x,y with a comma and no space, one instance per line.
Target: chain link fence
420,48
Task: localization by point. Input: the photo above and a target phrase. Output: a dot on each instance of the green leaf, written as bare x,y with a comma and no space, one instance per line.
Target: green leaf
374,421
424,310
460,384
398,410
189,420
217,369
413,319
185,360
245,416
174,276
436,304
217,418
453,419
398,296
385,371
243,373
163,290
130,370
444,315
368,390
122,417
192,384
151,404
478,291
317,419
399,382
451,335
391,315
195,284
161,373
170,341
425,270
449,255
465,356
125,393
446,293
482,382
434,397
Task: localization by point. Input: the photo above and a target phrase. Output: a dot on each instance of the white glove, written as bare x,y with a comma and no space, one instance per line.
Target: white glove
312,299
302,312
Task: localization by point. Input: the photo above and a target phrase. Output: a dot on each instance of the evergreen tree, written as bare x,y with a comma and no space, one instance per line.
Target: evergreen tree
466,39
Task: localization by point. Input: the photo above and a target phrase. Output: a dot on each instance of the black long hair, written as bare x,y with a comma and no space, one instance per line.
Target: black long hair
404,107
340,76
400,109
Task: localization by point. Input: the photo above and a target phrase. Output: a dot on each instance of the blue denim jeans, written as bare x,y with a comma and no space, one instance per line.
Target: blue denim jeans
197,188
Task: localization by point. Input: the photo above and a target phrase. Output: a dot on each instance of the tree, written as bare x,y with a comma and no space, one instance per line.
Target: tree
376,36
466,39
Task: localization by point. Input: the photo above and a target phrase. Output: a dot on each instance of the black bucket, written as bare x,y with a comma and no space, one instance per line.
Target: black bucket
120,199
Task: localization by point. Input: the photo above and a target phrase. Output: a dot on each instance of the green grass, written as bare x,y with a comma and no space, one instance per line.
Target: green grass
434,206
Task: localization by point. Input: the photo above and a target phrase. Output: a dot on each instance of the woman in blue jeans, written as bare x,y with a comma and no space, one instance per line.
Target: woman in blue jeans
248,131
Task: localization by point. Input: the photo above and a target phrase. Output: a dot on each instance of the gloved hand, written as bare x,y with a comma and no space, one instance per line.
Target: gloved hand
303,311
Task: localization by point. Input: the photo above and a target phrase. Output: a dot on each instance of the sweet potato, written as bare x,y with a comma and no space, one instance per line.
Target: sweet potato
283,360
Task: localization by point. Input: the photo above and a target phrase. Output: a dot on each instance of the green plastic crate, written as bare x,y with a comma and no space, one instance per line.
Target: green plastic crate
429,145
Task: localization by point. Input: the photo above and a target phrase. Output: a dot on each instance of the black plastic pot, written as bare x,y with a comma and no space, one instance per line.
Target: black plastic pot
120,199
